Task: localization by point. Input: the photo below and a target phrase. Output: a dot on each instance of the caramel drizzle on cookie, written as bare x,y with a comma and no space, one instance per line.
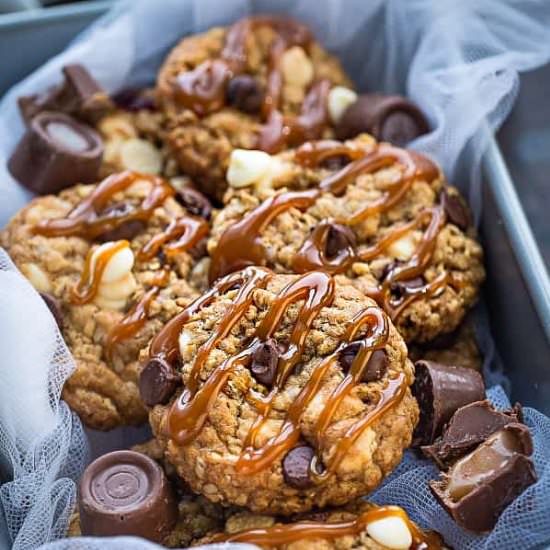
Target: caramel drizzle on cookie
88,219
279,535
135,319
91,217
203,88
189,412
240,245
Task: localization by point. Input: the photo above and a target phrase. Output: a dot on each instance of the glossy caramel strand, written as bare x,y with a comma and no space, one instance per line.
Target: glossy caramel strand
280,535
88,220
131,323
87,287
186,231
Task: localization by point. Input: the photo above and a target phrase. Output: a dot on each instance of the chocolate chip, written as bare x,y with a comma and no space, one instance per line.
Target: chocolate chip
296,466
54,306
455,209
339,238
121,230
56,152
157,382
401,288
244,93
265,361
376,366
195,202
388,118
134,100
335,162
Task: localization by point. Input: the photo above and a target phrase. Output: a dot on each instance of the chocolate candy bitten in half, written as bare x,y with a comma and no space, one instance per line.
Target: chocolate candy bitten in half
478,487
263,83
114,259
469,426
376,213
440,390
358,526
295,392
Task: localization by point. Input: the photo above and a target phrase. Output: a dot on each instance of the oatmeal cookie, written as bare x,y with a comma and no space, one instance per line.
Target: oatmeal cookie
294,392
263,82
112,261
359,525
381,215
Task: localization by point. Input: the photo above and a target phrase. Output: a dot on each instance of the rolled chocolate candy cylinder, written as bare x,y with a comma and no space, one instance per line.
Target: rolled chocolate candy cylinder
469,426
390,118
56,152
440,390
479,486
126,493
79,96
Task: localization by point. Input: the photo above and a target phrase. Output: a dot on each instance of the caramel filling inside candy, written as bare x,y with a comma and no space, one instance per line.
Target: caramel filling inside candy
474,469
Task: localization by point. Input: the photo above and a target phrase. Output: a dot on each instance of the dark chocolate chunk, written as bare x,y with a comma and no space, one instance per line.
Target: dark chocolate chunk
244,93
79,96
126,493
440,390
54,306
402,288
195,202
339,238
265,361
157,382
120,229
335,162
469,426
296,467
56,152
480,485
456,210
387,117
135,100
376,365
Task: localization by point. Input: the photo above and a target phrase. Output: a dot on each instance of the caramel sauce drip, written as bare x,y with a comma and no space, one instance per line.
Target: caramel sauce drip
86,288
188,231
280,535
87,220
240,245
315,289
131,323
203,88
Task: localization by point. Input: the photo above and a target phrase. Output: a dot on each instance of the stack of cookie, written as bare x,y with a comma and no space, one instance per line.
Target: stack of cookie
247,276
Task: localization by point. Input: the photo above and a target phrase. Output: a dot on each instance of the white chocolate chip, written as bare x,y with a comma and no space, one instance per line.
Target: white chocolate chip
247,167
391,532
141,156
119,289
339,99
104,303
118,265
184,345
404,248
37,277
296,67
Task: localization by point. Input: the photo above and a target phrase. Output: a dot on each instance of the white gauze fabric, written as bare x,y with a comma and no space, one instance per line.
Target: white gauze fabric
457,60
